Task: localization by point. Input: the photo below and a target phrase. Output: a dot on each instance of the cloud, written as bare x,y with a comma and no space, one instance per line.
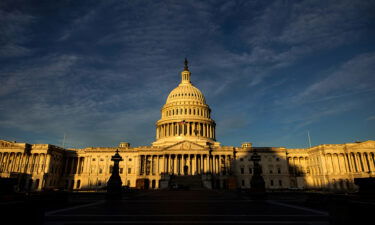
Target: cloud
285,32
105,69
14,29
351,77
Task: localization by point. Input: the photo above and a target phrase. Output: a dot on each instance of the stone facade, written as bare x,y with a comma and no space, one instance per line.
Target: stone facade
186,145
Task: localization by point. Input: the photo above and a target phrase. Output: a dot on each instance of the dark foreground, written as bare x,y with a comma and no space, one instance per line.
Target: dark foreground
186,207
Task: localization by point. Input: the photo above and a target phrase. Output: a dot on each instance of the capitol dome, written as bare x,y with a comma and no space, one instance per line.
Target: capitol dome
185,115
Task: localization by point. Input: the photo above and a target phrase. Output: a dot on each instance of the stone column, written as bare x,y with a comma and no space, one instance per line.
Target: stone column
358,162
47,162
371,161
346,161
218,164
163,162
170,164
365,162
175,168
193,164
72,165
190,165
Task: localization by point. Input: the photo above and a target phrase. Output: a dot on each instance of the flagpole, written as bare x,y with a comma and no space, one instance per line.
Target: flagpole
63,144
308,135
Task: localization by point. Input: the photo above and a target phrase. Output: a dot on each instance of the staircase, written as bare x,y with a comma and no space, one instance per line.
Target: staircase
193,182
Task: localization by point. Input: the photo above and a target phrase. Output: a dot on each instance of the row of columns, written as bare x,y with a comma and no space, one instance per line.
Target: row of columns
184,164
74,165
297,165
24,163
350,162
185,129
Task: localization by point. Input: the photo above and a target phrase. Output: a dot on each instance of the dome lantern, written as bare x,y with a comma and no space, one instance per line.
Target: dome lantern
185,74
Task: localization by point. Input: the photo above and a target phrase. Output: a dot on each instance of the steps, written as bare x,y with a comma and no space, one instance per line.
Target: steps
193,182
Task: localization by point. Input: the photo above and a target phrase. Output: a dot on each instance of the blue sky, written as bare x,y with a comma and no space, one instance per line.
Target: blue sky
100,71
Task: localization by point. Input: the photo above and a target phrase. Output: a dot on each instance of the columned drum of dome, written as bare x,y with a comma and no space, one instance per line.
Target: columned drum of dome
185,115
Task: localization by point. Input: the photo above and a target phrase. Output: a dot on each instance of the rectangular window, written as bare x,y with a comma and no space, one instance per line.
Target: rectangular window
129,170
243,183
100,170
130,159
93,159
242,170
121,170
280,183
271,171
250,170
271,182
278,170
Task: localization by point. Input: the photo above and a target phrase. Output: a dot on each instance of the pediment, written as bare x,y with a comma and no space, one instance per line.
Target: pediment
185,145
4,143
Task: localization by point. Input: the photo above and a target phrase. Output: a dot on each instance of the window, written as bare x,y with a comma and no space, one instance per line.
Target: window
242,171
277,159
110,169
101,159
121,170
99,183
93,159
100,170
128,183
278,170
130,159
280,183
78,183
250,170
241,159
271,171
243,183
129,170
271,182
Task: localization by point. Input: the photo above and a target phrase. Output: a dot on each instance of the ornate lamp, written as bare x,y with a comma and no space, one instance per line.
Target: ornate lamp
257,181
114,183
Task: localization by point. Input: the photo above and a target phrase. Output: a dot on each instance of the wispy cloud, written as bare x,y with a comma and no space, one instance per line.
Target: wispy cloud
101,71
14,29
355,75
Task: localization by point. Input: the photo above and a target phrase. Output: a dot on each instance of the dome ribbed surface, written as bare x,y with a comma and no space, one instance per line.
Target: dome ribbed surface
185,92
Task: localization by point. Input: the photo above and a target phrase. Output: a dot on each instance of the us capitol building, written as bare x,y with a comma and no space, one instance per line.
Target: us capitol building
186,150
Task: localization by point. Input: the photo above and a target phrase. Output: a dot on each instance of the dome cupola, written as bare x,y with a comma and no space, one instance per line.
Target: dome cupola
185,115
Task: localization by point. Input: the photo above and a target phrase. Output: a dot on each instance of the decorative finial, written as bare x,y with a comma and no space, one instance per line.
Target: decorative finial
186,65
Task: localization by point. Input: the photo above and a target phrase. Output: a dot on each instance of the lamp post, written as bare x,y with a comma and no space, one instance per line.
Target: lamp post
114,183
